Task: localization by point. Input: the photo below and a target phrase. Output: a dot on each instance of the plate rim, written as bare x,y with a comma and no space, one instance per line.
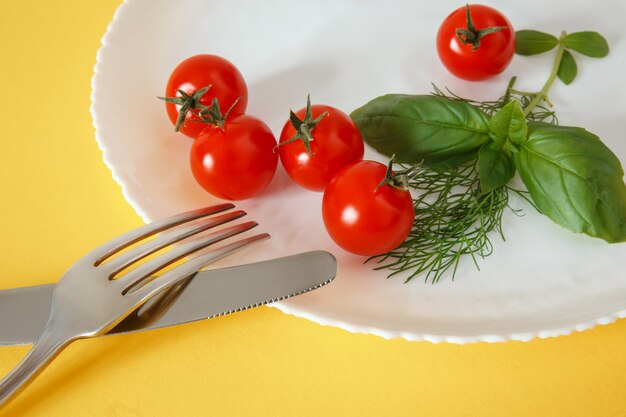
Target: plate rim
286,307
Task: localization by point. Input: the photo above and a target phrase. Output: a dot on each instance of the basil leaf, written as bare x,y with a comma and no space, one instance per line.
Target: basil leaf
422,128
575,180
509,122
567,68
587,43
496,166
532,42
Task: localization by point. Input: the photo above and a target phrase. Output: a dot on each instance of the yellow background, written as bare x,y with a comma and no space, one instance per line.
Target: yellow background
59,201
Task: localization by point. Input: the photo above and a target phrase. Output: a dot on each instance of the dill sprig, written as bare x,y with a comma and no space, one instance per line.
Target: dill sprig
452,218
542,112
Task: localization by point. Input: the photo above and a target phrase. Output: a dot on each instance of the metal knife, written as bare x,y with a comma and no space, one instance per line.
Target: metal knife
25,311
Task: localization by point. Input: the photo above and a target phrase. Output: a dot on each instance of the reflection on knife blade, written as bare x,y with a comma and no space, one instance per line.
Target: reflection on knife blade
24,311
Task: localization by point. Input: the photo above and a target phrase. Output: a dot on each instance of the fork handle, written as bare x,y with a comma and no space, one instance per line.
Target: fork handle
42,353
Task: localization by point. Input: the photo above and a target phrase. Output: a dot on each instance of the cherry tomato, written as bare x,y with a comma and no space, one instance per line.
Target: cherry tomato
235,161
197,72
326,141
363,216
482,48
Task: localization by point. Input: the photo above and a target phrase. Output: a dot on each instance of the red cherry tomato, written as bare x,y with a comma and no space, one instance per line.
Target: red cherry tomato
363,217
237,161
476,54
199,71
336,142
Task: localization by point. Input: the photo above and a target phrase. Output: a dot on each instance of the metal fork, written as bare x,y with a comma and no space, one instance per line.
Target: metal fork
91,298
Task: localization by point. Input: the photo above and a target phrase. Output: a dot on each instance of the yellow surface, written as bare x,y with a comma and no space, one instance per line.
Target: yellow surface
59,201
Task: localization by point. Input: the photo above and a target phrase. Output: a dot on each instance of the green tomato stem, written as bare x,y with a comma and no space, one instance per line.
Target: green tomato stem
542,95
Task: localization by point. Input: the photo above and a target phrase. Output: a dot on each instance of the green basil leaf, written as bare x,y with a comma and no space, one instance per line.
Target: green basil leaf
567,68
496,166
509,122
587,43
575,180
532,42
422,128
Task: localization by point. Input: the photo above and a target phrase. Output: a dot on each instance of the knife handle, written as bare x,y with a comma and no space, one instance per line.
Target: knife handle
42,353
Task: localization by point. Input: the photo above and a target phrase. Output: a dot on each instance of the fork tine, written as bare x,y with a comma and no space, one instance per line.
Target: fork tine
108,249
167,238
142,272
193,265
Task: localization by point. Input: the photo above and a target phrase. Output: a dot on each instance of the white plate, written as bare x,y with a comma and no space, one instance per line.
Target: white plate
543,281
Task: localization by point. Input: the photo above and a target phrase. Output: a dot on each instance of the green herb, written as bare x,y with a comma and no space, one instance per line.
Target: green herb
496,166
575,180
422,129
453,217
567,68
587,43
508,123
462,154
531,42
542,112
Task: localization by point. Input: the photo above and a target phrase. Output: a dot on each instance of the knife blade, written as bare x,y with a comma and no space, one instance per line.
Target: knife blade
211,293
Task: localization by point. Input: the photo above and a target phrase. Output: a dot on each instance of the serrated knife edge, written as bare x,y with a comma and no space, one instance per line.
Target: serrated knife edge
274,300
